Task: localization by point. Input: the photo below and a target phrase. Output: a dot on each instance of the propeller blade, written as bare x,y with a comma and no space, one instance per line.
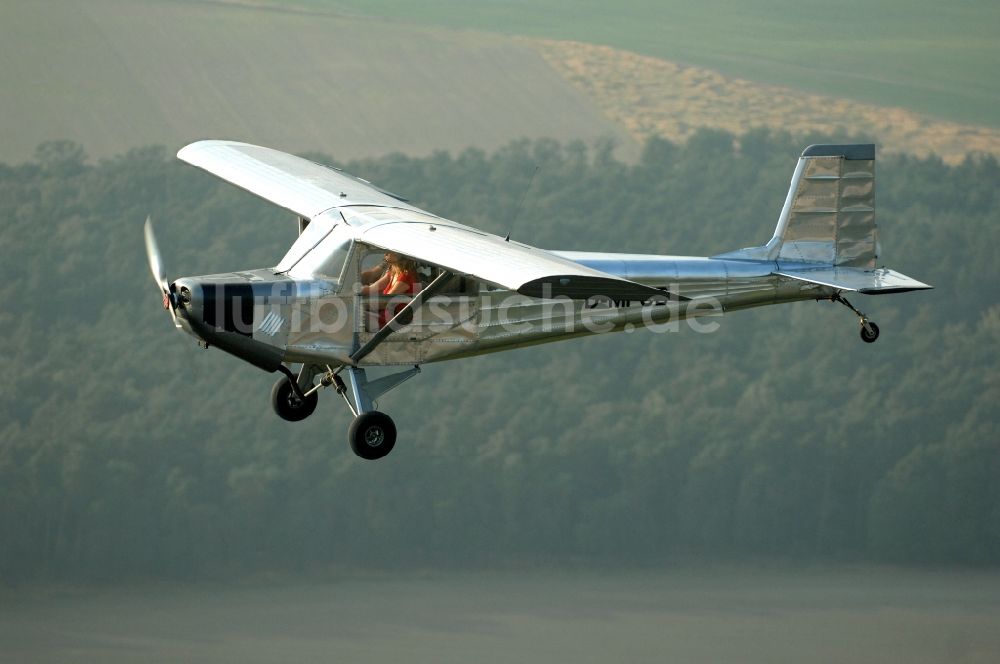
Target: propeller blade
155,261
159,274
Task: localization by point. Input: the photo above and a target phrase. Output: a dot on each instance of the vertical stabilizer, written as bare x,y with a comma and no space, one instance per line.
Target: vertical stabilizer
829,216
829,213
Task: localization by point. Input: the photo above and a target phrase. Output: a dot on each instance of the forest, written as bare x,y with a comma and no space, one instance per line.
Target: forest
127,452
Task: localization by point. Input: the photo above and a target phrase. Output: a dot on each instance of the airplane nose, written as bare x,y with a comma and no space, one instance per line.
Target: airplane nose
219,310
186,296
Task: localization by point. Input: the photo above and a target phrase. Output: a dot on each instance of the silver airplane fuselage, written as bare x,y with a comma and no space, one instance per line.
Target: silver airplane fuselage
268,318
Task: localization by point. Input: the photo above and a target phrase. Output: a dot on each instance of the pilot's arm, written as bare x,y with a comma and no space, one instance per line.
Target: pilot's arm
375,287
373,273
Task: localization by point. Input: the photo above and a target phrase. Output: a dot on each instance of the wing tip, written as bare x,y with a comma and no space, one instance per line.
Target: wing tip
200,145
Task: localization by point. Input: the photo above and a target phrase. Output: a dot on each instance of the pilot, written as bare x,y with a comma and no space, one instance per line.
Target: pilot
396,276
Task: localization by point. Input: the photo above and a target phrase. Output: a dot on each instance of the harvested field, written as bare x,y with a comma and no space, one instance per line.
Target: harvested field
653,97
935,58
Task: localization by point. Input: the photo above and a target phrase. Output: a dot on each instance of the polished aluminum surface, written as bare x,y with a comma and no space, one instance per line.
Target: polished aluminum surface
465,250
829,212
296,184
309,309
870,282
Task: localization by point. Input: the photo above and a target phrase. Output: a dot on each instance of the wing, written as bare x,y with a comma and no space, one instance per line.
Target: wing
309,189
304,187
518,267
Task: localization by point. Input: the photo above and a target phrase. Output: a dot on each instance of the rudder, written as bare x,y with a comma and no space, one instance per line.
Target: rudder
829,212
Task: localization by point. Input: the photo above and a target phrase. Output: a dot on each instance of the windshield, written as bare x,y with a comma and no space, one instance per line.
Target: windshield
317,229
327,258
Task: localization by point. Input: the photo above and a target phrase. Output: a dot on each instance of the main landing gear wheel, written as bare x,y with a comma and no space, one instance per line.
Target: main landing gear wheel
372,435
287,405
869,332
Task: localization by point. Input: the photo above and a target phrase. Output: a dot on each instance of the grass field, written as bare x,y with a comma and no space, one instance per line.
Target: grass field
924,55
320,75
117,74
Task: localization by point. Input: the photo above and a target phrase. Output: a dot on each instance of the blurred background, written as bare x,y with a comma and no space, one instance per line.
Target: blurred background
774,491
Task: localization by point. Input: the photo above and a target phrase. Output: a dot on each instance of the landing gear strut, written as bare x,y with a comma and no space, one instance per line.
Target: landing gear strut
372,434
869,330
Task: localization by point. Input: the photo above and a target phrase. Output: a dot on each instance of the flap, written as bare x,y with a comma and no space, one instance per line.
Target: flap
518,267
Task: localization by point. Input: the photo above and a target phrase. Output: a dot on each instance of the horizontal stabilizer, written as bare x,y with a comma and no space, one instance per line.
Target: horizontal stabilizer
869,282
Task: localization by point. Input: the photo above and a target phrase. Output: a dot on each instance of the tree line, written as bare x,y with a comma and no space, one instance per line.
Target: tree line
128,452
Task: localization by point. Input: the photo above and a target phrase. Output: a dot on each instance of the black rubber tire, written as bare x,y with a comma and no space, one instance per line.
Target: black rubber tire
287,405
867,337
372,435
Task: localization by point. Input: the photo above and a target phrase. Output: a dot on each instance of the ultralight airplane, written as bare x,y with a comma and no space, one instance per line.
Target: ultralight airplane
471,292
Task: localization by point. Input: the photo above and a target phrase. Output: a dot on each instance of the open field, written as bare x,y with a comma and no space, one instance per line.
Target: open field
117,74
654,97
683,616
304,75
930,57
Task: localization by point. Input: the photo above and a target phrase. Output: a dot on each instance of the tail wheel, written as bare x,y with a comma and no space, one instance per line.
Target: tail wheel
869,332
372,435
287,405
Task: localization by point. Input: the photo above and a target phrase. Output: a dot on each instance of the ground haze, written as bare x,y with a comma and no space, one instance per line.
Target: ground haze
702,615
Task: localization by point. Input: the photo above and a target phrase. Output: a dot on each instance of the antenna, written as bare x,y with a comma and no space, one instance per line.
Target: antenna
523,196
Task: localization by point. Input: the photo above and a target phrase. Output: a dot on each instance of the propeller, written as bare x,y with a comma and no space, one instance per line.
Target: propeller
153,254
156,267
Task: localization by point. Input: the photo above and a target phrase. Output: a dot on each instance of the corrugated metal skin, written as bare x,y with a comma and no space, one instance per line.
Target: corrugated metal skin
832,215
856,230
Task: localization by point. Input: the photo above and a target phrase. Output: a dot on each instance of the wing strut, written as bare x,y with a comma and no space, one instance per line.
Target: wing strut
401,315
